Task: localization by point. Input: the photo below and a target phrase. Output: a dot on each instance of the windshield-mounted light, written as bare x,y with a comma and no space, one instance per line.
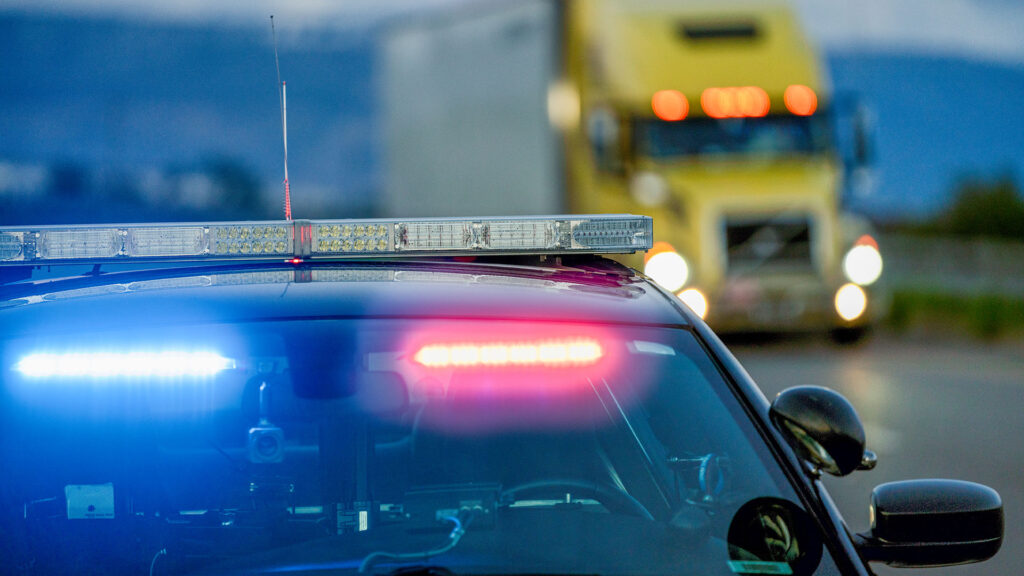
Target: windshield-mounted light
136,364
545,353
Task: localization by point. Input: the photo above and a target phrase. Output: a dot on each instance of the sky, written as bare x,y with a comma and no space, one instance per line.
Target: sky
931,130
977,29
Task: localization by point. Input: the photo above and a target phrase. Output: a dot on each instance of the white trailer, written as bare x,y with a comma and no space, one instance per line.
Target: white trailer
464,95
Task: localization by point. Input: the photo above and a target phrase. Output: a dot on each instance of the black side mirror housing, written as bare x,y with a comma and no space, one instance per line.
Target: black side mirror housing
823,428
924,523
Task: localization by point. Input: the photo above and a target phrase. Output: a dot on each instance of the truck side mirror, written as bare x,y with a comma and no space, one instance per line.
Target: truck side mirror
854,125
924,523
863,137
823,428
604,131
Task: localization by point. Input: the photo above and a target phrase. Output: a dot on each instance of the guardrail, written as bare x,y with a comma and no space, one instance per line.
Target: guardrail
953,265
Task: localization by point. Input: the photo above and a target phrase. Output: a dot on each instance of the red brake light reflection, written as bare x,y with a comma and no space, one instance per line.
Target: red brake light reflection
547,353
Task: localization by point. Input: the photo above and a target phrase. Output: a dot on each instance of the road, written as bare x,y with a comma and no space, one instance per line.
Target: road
930,410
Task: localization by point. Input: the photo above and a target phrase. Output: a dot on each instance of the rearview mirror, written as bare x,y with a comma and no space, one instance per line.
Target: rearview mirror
923,523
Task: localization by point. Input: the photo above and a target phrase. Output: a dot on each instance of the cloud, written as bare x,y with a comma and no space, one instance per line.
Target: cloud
350,13
977,29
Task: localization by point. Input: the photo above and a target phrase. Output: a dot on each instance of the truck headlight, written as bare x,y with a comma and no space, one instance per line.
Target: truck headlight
668,269
862,264
695,300
851,302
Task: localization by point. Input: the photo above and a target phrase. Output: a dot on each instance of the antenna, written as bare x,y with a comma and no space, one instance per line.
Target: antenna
284,123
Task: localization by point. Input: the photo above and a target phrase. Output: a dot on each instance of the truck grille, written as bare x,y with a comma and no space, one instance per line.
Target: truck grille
768,244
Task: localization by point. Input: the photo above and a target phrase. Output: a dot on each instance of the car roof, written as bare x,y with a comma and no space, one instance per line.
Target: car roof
589,290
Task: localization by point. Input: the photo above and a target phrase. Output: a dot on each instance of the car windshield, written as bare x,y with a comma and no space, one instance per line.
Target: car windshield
771,136
382,445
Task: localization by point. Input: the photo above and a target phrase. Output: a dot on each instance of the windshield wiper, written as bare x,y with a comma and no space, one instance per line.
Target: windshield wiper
461,522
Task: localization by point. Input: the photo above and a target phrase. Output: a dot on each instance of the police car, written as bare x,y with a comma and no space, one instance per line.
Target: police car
448,396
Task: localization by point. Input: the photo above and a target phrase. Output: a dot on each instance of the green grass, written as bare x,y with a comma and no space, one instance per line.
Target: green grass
986,316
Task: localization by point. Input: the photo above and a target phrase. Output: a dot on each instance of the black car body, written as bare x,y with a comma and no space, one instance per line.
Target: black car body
520,413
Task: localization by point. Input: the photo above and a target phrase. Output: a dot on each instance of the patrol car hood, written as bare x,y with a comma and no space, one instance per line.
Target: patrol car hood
322,291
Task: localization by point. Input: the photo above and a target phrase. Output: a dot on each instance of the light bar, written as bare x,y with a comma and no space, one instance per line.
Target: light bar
548,353
167,364
287,239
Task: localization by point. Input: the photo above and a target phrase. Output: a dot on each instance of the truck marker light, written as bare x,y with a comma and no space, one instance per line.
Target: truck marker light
735,102
866,240
657,248
800,100
544,353
753,102
670,105
167,364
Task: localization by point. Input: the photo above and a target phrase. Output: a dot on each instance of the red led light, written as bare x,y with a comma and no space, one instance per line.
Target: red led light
658,247
800,100
495,376
866,240
670,105
569,352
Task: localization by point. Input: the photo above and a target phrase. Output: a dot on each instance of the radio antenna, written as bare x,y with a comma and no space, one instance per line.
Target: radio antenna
284,123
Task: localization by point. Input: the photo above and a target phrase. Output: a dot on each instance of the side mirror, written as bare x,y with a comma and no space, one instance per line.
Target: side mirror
604,130
823,428
923,523
863,137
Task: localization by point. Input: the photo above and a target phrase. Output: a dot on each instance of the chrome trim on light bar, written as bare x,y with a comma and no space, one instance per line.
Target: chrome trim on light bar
325,239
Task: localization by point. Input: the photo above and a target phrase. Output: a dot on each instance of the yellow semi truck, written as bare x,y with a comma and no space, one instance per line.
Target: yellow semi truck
716,119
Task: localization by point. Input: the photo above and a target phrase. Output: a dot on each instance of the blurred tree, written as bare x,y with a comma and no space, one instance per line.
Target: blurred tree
985,207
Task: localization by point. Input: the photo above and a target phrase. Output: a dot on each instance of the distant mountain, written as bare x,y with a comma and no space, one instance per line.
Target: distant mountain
118,96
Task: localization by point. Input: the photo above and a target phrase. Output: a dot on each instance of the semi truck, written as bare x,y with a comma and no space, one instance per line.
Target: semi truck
716,119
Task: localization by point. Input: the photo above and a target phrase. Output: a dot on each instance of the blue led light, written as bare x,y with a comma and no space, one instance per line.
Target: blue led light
166,364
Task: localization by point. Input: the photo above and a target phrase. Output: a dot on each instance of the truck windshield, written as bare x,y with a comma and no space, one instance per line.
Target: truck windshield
771,136
376,445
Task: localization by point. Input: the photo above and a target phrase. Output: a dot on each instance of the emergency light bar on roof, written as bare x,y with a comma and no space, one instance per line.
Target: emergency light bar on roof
331,239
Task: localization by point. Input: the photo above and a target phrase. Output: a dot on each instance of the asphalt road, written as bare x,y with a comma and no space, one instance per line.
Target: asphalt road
930,410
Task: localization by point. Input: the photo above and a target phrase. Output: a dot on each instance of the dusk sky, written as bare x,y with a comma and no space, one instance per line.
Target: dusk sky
941,78
977,29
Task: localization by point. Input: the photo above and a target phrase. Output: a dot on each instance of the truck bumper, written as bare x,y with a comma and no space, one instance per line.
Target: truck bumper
793,306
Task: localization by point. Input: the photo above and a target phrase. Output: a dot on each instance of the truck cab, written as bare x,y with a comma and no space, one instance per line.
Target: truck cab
717,120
